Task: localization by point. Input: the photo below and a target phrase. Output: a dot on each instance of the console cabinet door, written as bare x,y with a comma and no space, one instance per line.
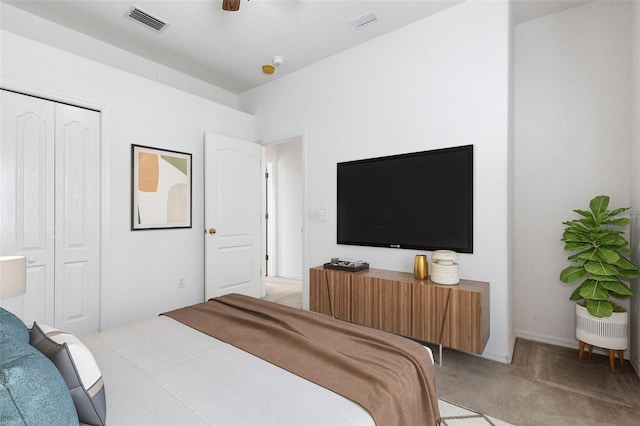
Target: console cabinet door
330,293
451,316
429,307
466,328
381,303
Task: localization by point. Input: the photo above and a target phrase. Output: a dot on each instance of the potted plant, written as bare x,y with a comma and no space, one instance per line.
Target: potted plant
602,264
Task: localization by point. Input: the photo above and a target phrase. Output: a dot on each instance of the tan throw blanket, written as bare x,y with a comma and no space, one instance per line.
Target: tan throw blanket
390,376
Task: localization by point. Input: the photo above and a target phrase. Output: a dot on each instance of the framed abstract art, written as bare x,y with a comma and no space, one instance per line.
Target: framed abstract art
160,188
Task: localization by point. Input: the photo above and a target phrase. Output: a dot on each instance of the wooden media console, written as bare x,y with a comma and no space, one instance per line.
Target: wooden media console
455,316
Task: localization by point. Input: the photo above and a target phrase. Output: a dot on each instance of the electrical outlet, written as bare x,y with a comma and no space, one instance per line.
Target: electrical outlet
180,282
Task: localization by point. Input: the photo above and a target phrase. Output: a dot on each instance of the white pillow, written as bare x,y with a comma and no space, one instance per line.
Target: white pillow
78,368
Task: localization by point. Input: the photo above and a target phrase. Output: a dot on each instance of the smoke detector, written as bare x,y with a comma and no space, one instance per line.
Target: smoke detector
277,61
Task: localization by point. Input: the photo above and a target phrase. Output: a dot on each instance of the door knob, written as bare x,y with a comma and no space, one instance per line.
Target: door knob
212,231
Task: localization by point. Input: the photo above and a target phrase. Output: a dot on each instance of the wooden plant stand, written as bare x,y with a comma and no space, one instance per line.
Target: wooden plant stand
612,356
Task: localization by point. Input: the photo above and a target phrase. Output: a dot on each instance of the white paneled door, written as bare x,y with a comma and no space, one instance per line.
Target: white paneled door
50,209
232,216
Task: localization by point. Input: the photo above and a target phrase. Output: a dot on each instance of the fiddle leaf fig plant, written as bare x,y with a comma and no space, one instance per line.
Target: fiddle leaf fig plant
601,261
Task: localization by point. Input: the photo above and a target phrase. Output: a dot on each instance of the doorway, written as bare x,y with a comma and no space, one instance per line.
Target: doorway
284,206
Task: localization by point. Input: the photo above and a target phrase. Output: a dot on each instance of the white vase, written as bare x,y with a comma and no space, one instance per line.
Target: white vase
610,332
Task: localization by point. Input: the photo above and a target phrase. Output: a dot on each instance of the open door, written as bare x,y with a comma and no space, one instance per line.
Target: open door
232,206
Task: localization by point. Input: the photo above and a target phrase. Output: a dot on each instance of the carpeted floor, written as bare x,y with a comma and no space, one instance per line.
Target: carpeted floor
544,385
284,291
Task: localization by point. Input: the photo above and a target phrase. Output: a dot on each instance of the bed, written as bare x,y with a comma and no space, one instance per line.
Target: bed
162,371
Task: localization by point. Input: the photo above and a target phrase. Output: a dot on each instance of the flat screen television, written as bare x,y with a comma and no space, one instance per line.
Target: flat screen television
421,200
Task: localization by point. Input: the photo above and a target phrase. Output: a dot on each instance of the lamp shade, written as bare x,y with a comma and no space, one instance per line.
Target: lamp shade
13,276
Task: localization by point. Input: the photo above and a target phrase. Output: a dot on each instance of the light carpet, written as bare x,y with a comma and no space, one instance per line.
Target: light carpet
455,415
287,291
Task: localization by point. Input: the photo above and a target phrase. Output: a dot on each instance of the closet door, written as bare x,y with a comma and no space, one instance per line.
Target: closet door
27,205
49,209
77,218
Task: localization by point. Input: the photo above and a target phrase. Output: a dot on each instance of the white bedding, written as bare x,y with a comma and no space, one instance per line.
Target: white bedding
161,372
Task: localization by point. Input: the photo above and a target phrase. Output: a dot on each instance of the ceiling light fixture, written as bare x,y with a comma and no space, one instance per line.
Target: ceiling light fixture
277,61
268,69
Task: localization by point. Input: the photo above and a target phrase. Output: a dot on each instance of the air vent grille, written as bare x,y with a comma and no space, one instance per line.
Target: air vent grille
364,20
143,17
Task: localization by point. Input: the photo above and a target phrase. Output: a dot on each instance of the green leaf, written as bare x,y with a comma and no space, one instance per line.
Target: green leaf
616,212
587,222
576,258
576,227
612,239
575,296
619,296
629,273
606,255
621,221
600,268
599,205
599,308
592,290
601,278
576,246
584,213
571,234
618,287
578,224
572,274
625,263
589,254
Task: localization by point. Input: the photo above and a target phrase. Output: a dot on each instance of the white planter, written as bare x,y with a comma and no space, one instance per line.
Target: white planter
610,333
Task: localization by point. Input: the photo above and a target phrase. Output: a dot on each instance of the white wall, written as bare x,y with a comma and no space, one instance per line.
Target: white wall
572,142
635,179
140,270
442,81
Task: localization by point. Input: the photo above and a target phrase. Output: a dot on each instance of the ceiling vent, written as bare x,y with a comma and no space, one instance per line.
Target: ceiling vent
364,20
144,18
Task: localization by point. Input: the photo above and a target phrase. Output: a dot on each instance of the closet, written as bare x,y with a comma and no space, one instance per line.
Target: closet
50,209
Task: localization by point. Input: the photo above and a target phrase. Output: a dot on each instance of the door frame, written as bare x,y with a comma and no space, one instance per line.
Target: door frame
303,258
65,98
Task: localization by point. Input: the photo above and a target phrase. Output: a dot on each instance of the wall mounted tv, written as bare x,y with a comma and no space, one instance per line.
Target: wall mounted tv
422,200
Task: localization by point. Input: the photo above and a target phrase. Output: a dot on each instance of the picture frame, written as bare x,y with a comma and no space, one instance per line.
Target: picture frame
161,188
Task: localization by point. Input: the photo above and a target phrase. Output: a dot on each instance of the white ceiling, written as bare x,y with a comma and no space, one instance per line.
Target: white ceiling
228,49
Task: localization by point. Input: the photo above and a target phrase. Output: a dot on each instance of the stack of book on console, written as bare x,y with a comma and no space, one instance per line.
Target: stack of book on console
350,265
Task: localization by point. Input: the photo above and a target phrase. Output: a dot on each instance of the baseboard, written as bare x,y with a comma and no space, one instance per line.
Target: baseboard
565,343
503,358
635,366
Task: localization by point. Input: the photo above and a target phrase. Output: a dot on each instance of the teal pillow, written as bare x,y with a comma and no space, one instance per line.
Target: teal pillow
12,327
32,390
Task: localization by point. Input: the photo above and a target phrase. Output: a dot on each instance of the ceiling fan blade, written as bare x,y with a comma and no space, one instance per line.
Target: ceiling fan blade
230,5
